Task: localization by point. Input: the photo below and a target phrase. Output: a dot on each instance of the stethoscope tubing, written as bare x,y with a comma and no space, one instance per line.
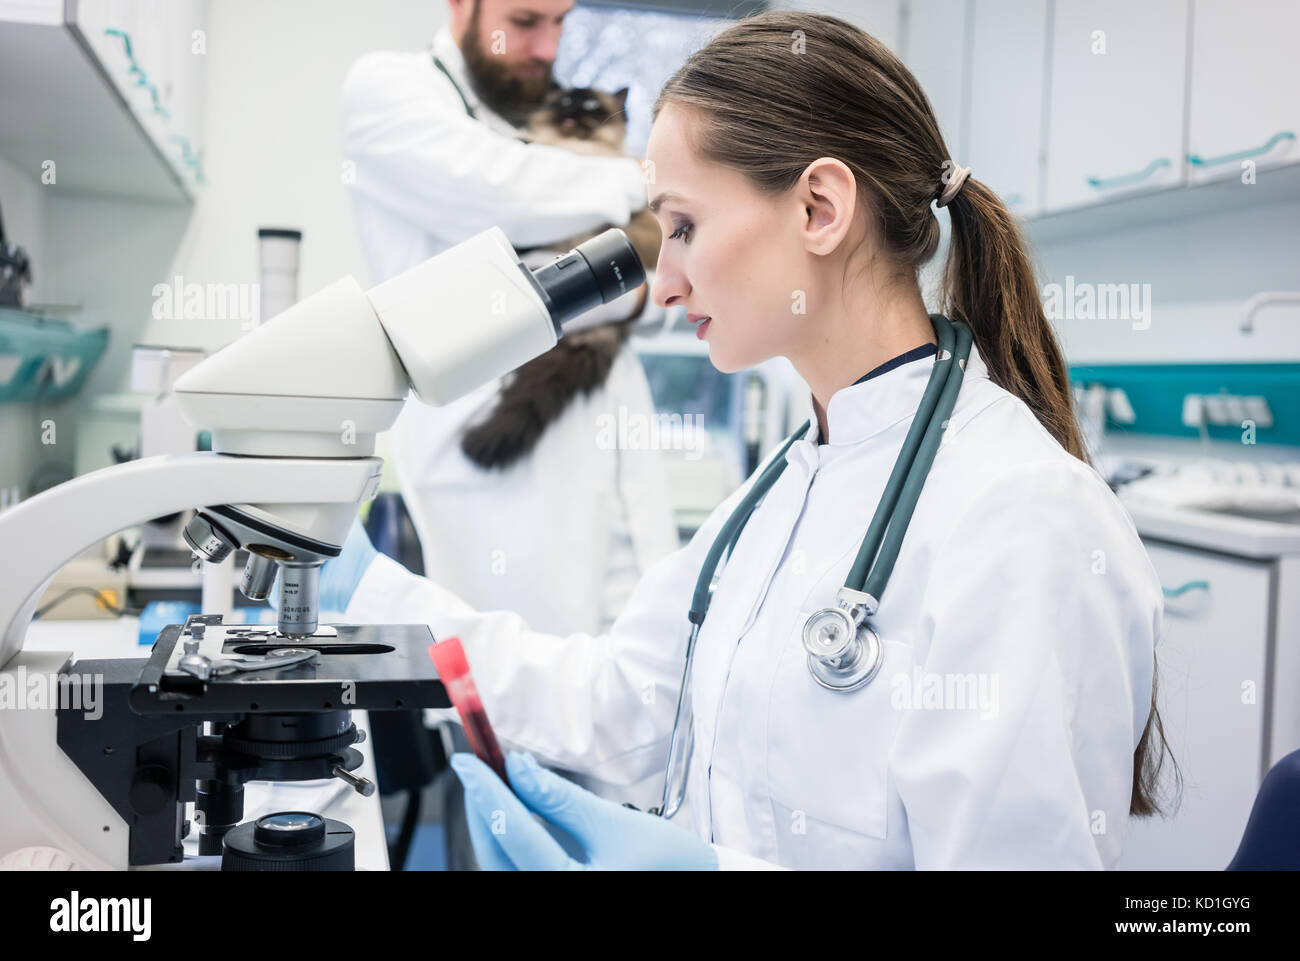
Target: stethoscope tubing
899,516
879,550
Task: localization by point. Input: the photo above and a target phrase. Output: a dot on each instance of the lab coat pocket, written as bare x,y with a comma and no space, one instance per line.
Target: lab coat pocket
828,751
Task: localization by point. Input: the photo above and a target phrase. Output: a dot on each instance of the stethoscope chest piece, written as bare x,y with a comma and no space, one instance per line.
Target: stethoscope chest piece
843,654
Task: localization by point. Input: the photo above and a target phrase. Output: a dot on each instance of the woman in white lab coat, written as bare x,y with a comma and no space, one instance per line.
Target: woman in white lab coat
797,164
429,162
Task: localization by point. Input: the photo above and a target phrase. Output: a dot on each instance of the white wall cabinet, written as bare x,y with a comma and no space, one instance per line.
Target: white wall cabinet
934,48
1008,80
1212,663
91,119
1243,107
154,54
1060,105
880,18
1117,99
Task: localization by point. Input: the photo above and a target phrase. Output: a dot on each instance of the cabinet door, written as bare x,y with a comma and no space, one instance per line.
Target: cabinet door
934,49
880,18
147,50
1007,80
1243,108
183,69
1211,665
46,12
1118,98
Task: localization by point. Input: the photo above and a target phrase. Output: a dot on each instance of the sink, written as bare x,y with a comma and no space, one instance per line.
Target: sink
1288,515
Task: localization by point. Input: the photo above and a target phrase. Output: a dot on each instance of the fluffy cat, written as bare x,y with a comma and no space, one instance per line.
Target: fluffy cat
587,121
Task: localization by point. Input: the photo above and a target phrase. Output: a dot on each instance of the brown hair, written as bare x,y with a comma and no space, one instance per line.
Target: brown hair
783,88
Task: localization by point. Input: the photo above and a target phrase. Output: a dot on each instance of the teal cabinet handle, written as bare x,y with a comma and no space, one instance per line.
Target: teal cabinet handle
1123,180
194,160
126,41
1196,160
186,152
158,108
1182,589
134,69
142,80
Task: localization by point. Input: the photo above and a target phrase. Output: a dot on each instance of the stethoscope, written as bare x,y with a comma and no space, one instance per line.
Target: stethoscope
844,652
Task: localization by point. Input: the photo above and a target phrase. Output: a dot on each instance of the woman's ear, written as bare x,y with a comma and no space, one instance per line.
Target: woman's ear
828,193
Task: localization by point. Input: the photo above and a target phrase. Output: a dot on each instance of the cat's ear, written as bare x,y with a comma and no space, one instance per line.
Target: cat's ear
620,97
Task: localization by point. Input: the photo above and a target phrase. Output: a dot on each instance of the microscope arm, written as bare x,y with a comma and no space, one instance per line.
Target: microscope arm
43,533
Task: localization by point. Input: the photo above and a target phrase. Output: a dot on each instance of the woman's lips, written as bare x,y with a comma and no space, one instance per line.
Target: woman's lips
701,321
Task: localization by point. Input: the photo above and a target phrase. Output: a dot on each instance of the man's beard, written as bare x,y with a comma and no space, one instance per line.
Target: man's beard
511,97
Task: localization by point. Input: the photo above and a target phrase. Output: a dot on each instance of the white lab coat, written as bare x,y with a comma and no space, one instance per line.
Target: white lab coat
564,534
424,175
1019,568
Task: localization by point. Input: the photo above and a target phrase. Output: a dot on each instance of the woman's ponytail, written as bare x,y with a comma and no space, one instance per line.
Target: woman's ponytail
989,283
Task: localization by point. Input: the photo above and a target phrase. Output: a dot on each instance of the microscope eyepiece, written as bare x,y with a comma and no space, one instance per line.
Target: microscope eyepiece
593,273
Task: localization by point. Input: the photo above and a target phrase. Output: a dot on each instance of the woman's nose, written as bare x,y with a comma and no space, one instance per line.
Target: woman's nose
668,287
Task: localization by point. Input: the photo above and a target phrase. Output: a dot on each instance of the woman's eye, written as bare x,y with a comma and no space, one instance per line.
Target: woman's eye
684,232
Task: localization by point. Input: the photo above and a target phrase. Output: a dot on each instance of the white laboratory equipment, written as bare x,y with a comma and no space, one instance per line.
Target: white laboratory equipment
293,407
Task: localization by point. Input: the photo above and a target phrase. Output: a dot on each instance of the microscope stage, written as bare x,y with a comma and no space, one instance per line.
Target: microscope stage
372,667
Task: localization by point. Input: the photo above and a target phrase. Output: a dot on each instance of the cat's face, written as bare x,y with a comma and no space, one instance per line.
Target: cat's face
580,112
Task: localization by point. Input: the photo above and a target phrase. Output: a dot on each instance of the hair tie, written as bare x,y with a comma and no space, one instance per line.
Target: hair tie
953,187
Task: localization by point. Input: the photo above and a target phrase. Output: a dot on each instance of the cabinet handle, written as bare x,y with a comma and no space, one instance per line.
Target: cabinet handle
1105,183
158,108
134,68
126,41
141,77
1182,589
195,161
1197,160
184,143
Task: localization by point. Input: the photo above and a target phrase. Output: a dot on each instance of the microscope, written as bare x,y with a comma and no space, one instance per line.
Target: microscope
293,408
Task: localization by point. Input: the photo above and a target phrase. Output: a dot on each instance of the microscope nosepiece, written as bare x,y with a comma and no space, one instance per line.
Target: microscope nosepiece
207,539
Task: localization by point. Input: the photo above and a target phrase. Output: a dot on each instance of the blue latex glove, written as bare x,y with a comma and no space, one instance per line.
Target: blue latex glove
339,576
507,838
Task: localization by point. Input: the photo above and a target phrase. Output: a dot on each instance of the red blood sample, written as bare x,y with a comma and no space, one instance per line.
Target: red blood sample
453,670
